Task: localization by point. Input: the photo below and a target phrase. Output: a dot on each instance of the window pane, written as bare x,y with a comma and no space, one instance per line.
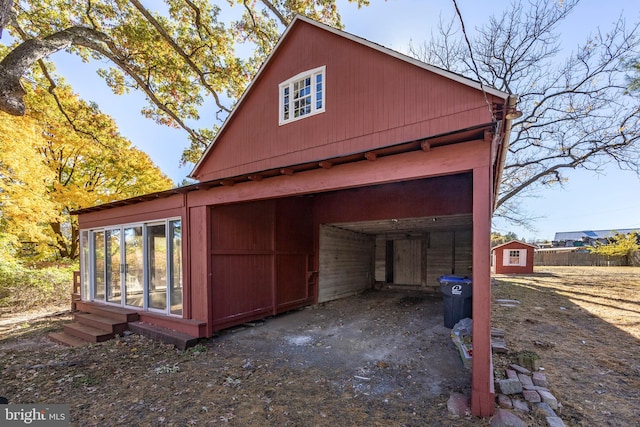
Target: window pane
157,266
84,265
112,262
134,266
175,283
99,270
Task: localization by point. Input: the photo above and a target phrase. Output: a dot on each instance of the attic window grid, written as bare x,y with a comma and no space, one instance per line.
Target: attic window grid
302,95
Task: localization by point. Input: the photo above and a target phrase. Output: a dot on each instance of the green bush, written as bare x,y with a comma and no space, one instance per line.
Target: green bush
24,288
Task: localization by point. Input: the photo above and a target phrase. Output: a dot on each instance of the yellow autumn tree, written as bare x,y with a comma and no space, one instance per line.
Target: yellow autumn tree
52,163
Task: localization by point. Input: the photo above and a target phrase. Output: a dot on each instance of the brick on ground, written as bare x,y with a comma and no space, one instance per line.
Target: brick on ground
458,404
549,398
511,374
504,418
504,401
534,387
520,405
519,369
546,409
540,379
525,379
510,386
555,422
531,396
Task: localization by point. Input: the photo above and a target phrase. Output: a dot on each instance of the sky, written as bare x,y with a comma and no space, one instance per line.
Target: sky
610,200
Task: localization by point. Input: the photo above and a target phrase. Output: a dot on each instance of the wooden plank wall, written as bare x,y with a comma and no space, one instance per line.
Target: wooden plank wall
346,263
380,261
419,262
463,253
407,262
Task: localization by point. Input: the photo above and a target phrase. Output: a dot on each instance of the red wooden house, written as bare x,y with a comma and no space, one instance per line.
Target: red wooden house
340,156
513,257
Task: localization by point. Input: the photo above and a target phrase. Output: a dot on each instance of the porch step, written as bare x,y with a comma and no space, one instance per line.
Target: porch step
116,313
165,335
87,333
66,339
99,322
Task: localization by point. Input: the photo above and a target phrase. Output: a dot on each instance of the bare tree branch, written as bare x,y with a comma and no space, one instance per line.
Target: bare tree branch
578,111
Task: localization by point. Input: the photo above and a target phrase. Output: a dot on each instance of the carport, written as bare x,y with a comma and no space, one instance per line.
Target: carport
402,236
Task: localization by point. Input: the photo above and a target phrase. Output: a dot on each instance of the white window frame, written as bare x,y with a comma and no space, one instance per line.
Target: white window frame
289,86
522,257
90,287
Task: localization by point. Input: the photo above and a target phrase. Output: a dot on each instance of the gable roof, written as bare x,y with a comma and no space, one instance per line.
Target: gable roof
518,242
300,20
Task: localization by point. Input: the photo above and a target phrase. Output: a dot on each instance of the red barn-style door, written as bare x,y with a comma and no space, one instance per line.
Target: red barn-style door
260,254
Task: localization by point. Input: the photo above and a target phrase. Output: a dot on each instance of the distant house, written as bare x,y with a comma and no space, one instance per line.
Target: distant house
342,159
513,257
587,237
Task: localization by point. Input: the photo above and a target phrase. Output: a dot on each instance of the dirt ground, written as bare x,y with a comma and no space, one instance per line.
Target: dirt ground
584,323
378,359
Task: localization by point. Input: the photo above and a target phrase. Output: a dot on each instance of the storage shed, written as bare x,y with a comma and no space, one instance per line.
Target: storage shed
513,257
343,164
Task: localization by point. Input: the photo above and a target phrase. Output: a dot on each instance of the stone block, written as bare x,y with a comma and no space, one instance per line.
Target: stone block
546,409
510,386
504,401
540,379
512,374
519,369
520,406
549,399
525,379
534,387
504,418
531,396
458,404
555,422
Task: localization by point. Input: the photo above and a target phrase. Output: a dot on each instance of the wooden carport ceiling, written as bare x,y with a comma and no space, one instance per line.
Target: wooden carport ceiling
399,228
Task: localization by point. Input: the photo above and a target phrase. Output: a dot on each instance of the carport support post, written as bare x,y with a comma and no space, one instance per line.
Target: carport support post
482,388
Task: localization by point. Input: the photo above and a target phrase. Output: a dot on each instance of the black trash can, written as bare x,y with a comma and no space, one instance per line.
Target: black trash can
456,295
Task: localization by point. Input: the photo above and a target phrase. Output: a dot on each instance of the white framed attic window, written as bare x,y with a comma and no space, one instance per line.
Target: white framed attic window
303,95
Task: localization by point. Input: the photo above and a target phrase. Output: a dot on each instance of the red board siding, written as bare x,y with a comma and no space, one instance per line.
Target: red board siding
241,286
259,264
372,100
243,227
198,271
139,212
446,195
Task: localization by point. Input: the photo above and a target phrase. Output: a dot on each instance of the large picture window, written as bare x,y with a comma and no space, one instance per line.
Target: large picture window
135,265
302,95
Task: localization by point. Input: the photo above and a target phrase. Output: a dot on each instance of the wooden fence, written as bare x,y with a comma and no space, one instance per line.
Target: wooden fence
582,259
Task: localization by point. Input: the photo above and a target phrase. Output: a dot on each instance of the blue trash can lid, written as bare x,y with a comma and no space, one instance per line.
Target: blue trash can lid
454,279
